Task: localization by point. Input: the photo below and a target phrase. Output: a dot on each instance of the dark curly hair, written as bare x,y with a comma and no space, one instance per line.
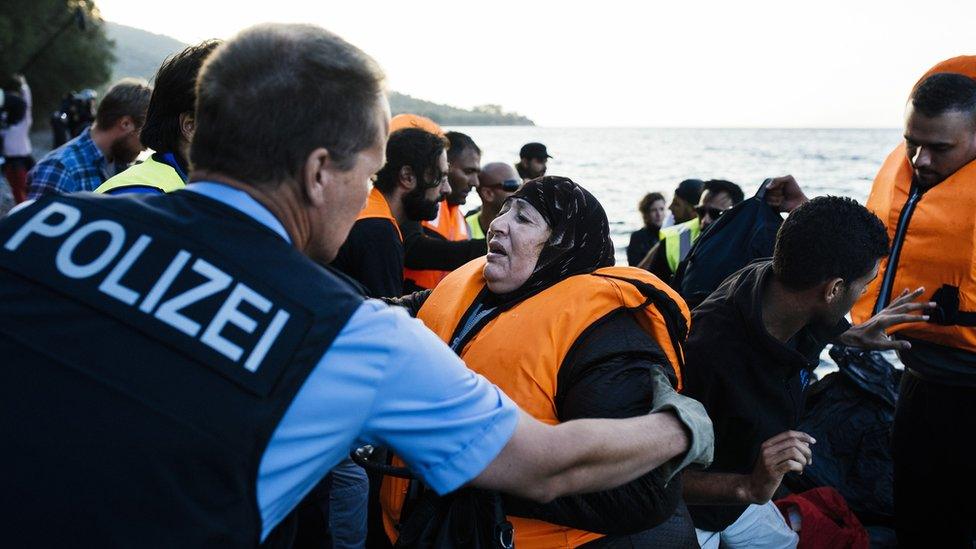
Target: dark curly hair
412,147
945,92
828,237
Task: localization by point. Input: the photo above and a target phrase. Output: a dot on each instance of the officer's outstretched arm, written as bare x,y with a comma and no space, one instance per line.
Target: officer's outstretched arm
543,462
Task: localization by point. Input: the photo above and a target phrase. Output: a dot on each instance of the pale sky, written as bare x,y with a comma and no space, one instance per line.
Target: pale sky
746,63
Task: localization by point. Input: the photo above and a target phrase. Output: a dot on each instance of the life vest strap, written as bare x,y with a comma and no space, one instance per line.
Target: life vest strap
673,319
946,311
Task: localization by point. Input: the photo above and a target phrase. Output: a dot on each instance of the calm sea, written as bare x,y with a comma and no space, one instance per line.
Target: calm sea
620,165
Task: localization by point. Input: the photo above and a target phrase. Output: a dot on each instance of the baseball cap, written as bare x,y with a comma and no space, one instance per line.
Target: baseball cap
534,150
690,190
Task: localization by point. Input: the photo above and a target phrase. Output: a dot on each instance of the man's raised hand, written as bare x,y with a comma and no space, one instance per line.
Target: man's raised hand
872,333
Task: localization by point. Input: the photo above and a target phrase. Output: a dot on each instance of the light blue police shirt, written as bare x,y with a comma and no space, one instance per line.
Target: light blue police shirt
386,380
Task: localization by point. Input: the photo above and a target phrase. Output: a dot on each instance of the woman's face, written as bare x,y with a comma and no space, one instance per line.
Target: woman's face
655,214
515,239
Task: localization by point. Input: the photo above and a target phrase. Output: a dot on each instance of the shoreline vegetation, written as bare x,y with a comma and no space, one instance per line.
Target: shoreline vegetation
446,115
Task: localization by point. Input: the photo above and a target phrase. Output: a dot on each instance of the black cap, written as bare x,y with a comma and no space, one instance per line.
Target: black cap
690,190
534,150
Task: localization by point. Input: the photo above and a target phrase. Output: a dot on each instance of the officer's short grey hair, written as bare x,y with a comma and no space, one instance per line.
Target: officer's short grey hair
274,93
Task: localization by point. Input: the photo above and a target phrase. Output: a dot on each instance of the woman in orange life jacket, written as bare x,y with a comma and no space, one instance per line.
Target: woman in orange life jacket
547,318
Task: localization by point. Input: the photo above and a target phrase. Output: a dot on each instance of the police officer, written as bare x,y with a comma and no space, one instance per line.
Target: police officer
177,370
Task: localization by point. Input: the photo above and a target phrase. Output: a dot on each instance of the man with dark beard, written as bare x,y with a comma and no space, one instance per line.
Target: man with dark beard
409,187
436,247
100,152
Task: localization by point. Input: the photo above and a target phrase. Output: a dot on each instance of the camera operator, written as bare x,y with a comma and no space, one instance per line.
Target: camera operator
76,113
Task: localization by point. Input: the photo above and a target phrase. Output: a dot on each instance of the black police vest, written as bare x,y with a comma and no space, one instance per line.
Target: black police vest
149,346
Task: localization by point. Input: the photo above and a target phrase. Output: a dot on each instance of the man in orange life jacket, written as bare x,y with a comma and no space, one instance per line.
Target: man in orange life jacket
440,245
925,195
408,188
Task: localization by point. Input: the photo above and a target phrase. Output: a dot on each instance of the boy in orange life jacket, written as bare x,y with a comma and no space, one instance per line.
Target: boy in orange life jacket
752,347
408,188
925,195
443,244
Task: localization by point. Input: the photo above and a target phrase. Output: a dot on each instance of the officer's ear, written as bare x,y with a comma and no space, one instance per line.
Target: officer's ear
318,176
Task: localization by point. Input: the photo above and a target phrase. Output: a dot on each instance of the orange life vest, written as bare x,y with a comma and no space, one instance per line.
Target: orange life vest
936,249
450,224
407,120
522,349
963,64
378,207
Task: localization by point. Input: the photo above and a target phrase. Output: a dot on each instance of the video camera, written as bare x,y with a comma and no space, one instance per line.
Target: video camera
77,112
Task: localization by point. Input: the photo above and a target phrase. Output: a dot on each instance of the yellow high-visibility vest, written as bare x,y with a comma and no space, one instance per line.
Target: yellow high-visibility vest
678,240
150,173
474,225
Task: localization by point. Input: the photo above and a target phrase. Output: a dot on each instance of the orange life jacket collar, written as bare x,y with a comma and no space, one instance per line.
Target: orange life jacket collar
378,208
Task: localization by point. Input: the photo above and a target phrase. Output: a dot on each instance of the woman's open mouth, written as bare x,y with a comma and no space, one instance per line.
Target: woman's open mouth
495,248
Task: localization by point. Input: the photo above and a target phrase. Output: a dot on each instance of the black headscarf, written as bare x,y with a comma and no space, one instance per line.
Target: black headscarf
579,243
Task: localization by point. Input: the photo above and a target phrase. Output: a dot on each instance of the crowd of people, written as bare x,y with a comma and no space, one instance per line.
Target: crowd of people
287,327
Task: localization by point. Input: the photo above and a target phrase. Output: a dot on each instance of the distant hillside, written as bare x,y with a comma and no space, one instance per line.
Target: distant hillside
485,115
139,53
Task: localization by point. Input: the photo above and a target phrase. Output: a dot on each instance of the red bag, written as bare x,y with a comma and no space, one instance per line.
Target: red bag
824,519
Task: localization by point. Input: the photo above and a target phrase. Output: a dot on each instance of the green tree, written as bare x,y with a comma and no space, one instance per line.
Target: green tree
59,46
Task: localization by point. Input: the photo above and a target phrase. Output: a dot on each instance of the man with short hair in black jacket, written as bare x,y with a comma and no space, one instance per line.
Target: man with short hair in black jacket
752,349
